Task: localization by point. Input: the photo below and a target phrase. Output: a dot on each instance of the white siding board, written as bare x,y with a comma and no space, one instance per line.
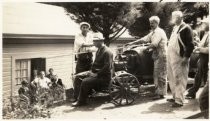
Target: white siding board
7,89
6,83
7,69
6,73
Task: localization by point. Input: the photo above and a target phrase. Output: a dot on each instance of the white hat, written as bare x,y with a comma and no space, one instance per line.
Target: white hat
84,23
98,36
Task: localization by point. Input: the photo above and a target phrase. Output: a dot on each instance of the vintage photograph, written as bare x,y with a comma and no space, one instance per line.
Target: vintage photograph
105,60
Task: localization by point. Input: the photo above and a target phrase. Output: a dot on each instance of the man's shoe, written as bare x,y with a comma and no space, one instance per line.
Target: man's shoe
158,97
77,103
190,97
73,100
176,105
171,100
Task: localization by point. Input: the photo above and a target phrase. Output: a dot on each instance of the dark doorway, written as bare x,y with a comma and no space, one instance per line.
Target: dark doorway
38,64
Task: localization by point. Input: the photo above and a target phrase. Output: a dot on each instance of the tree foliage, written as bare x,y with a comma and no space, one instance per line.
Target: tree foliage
109,18
191,11
112,19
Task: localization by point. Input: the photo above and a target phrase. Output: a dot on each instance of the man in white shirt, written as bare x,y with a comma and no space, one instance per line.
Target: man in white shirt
82,47
158,39
42,82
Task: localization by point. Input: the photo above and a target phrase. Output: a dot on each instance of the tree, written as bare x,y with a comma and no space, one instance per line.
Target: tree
110,18
191,11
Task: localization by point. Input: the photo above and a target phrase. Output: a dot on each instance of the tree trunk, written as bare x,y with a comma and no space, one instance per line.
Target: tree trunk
106,40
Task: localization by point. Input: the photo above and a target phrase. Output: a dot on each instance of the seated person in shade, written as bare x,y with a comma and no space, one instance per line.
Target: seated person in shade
51,74
57,88
43,89
42,82
25,93
35,74
57,81
33,87
98,77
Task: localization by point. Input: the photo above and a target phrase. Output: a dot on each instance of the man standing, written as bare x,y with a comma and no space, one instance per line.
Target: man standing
83,42
202,63
98,77
158,39
180,47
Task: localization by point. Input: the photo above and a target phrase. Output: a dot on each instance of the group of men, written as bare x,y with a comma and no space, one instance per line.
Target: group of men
171,60
40,84
171,57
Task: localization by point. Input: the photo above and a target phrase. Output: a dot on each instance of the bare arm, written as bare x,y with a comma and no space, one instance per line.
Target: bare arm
141,40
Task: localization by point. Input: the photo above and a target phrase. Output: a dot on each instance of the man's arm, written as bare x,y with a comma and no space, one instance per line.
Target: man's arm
108,60
155,40
188,36
144,39
204,50
80,43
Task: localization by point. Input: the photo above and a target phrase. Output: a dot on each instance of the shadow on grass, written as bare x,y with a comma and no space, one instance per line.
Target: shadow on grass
191,105
159,108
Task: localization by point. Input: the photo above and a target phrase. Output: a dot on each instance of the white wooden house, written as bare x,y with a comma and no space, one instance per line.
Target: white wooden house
24,53
37,40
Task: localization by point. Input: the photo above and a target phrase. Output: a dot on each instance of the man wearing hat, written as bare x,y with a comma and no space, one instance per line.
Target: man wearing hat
82,44
99,76
202,62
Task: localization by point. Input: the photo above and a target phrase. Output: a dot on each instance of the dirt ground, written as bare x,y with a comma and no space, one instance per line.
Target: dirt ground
143,108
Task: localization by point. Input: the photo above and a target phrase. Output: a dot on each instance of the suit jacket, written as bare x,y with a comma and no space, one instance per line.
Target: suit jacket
186,35
103,62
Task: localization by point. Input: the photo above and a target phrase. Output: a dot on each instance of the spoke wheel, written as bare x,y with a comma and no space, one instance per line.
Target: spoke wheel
123,89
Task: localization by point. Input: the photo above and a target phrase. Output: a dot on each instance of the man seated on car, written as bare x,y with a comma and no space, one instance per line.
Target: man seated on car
99,76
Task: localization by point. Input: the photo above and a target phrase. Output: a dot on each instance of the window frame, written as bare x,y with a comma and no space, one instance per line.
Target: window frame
13,65
28,71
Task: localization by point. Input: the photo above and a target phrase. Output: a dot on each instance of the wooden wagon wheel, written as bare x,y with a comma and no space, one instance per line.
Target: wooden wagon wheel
124,88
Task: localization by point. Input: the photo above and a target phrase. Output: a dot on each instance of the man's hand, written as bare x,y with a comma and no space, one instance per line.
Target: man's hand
93,74
197,50
148,49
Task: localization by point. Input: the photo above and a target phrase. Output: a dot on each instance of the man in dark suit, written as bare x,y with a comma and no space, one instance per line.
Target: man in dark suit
98,77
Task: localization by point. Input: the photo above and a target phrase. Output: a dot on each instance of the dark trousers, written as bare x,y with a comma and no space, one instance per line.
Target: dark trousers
84,62
200,75
84,85
204,101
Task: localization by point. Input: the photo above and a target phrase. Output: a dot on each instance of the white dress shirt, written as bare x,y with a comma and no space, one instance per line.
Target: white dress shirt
43,83
80,40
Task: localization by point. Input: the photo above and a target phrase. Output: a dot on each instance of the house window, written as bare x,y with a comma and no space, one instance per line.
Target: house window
22,70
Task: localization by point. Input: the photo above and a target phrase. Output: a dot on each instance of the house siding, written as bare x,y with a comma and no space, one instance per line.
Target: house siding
58,56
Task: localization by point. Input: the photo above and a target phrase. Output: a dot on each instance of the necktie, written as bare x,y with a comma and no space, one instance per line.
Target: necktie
98,51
